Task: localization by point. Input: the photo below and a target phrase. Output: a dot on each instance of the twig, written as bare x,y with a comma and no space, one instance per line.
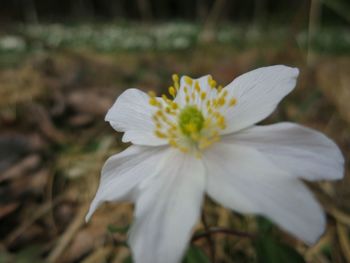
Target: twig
221,230
65,239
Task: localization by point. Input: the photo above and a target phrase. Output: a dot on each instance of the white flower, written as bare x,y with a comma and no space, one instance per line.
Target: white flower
205,141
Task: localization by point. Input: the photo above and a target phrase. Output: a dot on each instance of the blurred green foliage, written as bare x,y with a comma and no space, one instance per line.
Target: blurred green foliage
195,255
161,37
270,250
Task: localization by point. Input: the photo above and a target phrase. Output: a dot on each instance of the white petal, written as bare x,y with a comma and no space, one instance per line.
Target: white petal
257,93
124,171
132,114
167,208
300,151
240,179
204,86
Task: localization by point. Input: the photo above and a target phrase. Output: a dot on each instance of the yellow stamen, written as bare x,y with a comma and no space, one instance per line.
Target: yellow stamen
151,93
159,134
172,91
197,87
188,80
195,125
233,102
174,105
175,77
221,101
176,81
153,101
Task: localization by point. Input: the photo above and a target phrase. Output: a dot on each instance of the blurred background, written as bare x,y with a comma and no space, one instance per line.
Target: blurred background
62,65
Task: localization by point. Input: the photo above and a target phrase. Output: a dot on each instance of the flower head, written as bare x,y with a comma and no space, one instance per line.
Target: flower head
203,139
194,118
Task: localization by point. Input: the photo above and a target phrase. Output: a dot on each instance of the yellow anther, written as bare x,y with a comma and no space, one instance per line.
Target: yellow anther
165,98
188,80
174,105
159,134
221,101
212,83
172,91
173,143
233,102
153,101
187,99
167,110
171,132
151,93
186,90
176,81
197,87
175,77
220,88
159,113
203,95
221,122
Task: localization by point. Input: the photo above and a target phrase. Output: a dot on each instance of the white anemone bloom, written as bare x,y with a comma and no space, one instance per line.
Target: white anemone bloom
205,140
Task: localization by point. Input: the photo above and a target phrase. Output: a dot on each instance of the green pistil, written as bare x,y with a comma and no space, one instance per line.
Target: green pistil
191,121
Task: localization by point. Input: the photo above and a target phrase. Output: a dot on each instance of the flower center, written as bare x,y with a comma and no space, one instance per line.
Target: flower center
190,121
193,119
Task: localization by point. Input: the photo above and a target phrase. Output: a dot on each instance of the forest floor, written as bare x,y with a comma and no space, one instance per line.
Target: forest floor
54,141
